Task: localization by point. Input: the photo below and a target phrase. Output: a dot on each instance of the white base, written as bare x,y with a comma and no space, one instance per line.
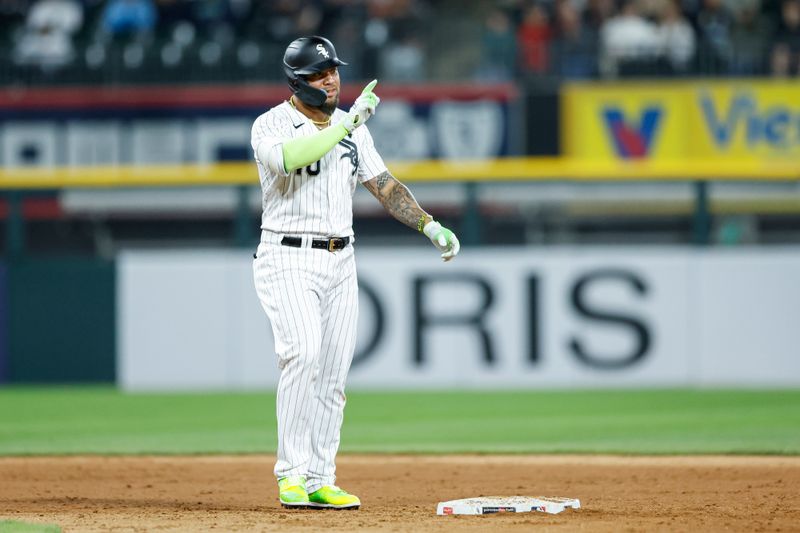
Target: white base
507,504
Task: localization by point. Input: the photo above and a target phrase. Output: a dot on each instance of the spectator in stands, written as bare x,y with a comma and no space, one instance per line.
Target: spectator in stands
771,9
533,38
389,9
403,59
280,21
47,37
652,9
785,58
12,16
123,18
390,33
574,46
677,38
751,39
714,28
499,48
347,25
630,44
308,20
595,15
217,22
389,38
736,6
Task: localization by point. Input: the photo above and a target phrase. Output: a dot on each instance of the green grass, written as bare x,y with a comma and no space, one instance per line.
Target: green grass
12,526
74,420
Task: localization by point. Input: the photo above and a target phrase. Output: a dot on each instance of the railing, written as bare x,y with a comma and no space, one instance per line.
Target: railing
15,184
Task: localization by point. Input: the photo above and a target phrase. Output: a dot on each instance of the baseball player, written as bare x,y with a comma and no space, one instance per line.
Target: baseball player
310,156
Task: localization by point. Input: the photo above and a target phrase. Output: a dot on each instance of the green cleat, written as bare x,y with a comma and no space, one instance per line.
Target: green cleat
332,497
292,491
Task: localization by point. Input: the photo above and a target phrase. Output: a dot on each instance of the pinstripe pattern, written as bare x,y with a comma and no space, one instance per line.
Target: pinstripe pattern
319,198
309,295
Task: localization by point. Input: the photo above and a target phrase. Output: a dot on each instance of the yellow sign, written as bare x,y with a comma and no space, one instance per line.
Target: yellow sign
725,121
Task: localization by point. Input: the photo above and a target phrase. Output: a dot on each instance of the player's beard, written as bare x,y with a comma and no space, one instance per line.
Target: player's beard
329,106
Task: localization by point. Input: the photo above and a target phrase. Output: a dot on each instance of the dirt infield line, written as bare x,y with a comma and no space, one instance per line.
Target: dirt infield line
400,492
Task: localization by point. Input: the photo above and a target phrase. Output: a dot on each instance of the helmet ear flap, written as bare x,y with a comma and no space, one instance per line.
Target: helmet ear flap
307,93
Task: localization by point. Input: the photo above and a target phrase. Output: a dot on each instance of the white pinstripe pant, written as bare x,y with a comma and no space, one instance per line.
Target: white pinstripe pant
311,299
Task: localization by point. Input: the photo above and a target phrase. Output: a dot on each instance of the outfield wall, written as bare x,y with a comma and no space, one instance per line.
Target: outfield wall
494,318
57,320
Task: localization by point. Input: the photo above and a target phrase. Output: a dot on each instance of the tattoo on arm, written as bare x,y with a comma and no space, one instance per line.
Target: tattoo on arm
396,199
383,178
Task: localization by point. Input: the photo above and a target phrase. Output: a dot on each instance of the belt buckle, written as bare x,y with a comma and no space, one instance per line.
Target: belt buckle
331,244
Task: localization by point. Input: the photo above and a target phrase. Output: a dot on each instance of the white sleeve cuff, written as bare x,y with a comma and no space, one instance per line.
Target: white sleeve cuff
270,155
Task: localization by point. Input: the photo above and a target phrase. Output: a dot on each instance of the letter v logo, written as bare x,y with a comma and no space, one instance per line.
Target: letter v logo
632,142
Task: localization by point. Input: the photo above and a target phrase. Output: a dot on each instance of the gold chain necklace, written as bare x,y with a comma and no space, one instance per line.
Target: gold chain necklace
314,122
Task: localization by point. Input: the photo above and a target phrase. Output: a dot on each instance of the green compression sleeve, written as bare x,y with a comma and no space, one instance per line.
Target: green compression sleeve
303,151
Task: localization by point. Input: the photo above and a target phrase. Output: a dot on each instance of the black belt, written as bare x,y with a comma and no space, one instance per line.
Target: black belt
332,245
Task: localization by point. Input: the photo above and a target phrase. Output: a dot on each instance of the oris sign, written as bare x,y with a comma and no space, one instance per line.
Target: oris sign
535,317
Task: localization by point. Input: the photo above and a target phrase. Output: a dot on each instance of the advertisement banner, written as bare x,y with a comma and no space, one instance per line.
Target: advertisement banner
725,121
201,125
510,319
493,319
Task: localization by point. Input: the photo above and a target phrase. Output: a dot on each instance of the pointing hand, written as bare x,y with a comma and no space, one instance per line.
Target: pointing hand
363,108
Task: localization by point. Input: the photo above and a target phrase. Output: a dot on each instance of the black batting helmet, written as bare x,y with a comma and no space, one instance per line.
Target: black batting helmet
308,55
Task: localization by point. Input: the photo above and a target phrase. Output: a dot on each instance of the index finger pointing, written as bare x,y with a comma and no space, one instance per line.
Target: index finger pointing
370,86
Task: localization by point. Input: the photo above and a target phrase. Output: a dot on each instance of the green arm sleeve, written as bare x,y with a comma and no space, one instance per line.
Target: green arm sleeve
303,151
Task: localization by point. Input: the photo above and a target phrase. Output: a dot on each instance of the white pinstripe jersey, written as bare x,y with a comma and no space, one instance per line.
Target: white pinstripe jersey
317,199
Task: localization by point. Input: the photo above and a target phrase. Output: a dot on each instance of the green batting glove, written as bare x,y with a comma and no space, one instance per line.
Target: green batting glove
443,239
363,108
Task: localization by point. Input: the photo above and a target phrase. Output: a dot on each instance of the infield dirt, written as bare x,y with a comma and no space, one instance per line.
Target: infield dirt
400,493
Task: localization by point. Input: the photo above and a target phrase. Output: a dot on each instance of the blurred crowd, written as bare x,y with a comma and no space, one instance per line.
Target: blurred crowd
399,40
621,38
131,39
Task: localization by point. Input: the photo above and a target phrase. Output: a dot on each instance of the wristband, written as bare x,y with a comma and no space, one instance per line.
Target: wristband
423,221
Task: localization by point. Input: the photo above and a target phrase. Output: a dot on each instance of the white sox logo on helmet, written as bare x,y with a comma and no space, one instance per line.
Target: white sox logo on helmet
322,51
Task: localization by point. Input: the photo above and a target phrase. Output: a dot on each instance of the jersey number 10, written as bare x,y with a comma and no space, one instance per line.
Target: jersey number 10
311,171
